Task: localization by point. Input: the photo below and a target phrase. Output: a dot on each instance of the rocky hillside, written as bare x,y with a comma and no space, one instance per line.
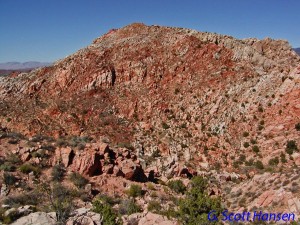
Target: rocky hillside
297,50
183,102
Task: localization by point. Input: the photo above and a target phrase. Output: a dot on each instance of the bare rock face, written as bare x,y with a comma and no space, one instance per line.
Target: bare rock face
64,156
87,163
98,158
132,171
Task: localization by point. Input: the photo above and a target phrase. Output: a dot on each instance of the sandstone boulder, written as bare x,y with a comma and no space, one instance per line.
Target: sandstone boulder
151,218
37,218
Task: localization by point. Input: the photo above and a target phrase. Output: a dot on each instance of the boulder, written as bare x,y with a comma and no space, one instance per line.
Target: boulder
64,156
88,163
132,171
156,219
37,218
84,216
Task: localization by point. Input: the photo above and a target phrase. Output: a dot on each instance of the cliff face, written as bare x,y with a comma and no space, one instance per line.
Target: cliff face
196,96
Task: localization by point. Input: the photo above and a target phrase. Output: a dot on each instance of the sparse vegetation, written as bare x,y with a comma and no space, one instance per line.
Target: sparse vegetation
60,201
177,186
28,168
259,165
78,180
165,126
193,209
291,146
109,216
255,149
58,172
154,206
128,207
274,162
246,144
134,191
245,134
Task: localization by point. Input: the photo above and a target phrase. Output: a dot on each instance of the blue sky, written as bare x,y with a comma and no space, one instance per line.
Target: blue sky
47,30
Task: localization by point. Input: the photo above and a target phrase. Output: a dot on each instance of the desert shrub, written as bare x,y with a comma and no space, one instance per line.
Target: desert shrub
282,158
13,141
28,168
128,207
8,167
9,179
108,200
134,191
246,144
297,126
291,146
60,201
165,126
245,134
259,165
58,172
193,209
253,141
78,180
156,154
39,154
109,216
177,186
249,162
30,198
255,149
154,206
150,186
274,162
126,145
12,158
79,142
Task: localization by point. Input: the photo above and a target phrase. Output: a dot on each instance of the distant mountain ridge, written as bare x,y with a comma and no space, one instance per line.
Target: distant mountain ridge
21,66
297,50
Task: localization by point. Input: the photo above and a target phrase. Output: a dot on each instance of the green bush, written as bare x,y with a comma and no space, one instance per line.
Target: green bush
109,216
134,191
245,134
259,165
8,167
154,206
246,144
274,162
253,141
165,126
282,158
291,146
255,149
28,168
30,198
58,172
78,180
60,201
128,207
9,179
177,186
195,207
